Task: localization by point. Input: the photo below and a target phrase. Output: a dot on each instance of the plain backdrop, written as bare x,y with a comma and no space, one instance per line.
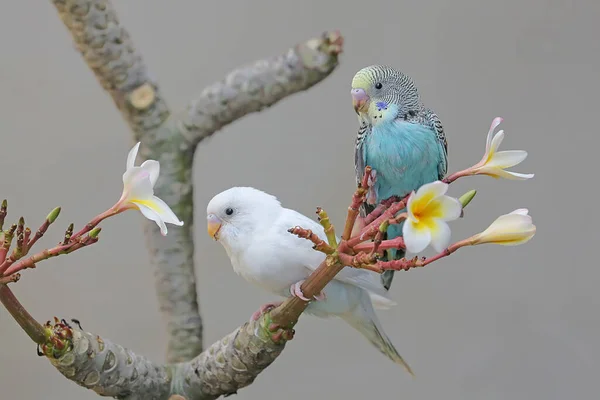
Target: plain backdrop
490,322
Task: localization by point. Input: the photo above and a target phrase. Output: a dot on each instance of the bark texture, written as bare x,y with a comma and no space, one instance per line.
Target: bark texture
171,138
110,370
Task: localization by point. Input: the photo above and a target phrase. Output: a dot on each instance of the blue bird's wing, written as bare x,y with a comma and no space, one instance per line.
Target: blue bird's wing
434,122
431,120
359,162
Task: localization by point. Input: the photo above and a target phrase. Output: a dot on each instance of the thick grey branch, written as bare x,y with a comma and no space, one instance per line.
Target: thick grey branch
229,364
171,139
108,50
111,370
253,87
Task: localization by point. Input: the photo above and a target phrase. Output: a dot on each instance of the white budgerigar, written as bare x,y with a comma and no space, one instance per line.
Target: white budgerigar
253,227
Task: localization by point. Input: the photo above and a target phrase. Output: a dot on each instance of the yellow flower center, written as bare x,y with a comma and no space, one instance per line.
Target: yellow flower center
148,203
426,208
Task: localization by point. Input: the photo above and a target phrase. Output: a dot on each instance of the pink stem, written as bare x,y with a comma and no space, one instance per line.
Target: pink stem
36,332
114,210
6,264
38,234
3,252
459,174
371,230
31,261
7,238
26,236
408,264
397,243
9,279
376,213
357,198
445,253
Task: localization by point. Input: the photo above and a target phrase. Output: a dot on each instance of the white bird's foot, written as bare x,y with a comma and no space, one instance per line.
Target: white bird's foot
263,309
320,297
296,291
371,195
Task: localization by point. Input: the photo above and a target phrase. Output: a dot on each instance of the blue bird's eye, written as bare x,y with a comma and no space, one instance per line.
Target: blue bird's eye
378,85
229,211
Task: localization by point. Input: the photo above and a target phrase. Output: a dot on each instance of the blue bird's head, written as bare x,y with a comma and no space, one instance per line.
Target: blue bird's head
381,93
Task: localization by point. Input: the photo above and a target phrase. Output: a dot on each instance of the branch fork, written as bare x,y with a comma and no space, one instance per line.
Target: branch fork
171,136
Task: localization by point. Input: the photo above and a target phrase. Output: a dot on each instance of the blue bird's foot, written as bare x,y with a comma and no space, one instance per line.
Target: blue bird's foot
371,194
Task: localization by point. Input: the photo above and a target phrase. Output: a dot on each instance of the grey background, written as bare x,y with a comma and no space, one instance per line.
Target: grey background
488,323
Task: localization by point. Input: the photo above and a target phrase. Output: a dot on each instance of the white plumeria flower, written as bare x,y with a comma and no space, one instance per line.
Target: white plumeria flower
509,229
427,212
494,162
138,192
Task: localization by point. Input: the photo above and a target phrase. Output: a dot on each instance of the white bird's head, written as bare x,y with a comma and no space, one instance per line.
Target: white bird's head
233,215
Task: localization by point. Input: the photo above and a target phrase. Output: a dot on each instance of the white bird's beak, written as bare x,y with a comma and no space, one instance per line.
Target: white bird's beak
213,225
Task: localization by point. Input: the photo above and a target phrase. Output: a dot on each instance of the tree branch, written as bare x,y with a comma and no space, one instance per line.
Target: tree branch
229,364
33,329
111,370
261,84
110,53
106,367
287,314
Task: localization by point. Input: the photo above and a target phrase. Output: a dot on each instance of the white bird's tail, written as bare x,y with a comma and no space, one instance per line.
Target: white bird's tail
364,320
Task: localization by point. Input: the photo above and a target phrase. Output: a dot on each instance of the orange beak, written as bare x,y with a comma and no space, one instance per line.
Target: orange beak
213,226
360,100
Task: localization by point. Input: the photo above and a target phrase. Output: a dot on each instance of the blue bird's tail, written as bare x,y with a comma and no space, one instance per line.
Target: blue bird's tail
393,232
392,254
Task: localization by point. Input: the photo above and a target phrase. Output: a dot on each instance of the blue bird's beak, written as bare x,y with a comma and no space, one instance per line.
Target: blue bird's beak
360,100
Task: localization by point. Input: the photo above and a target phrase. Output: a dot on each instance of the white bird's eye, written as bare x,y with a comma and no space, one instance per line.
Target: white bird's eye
229,211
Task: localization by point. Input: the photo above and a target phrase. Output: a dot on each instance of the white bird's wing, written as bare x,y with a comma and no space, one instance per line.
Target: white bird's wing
365,279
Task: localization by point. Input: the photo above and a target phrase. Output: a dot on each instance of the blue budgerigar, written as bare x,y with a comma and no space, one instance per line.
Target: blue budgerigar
399,138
